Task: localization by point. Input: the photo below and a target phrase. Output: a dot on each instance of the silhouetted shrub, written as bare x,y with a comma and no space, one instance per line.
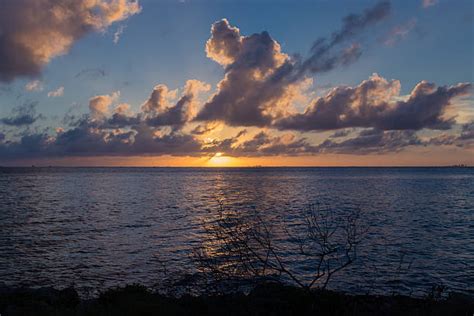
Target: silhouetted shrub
246,246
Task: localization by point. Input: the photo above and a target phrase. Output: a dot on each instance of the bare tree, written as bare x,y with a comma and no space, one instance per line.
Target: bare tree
245,245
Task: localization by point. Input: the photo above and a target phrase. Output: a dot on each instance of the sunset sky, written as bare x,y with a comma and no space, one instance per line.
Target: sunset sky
236,83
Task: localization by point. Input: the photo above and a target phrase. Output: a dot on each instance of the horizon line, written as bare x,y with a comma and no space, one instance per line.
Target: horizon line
245,167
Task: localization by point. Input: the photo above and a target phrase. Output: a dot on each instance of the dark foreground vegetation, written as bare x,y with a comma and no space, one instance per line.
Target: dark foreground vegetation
242,248
267,299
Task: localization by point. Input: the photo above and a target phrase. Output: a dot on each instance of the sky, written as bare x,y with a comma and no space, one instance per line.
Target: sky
236,83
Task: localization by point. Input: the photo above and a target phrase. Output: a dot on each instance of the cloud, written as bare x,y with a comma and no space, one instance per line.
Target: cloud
122,109
91,73
85,140
428,3
260,144
158,112
99,105
467,131
354,23
372,141
35,31
340,133
56,93
118,33
248,95
376,103
261,82
34,86
399,32
164,108
368,141
159,100
225,43
325,54
262,87
23,115
464,139
141,140
206,128
263,144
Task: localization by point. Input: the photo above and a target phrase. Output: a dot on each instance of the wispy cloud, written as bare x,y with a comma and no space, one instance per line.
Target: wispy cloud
428,3
118,33
91,73
22,115
34,86
56,93
399,32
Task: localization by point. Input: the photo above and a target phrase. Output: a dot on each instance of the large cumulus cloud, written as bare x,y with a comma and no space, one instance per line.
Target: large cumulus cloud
376,103
260,81
32,32
244,96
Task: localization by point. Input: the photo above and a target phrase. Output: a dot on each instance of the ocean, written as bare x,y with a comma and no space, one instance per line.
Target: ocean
103,227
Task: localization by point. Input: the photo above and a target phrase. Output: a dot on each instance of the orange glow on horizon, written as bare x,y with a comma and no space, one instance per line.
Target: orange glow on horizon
414,157
219,160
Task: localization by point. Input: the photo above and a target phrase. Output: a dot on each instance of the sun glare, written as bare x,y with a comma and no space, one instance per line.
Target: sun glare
219,160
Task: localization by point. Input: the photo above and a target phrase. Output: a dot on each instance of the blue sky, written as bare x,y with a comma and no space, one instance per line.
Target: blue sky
165,44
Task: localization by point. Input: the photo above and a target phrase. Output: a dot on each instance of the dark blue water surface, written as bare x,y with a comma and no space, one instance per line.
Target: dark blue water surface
101,227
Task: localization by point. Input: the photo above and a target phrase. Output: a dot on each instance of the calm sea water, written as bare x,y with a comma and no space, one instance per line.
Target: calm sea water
101,227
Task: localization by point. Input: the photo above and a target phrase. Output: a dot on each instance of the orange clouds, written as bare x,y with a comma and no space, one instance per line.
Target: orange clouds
35,31
263,89
99,105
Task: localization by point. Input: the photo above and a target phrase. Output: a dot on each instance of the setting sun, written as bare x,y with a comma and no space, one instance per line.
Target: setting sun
219,160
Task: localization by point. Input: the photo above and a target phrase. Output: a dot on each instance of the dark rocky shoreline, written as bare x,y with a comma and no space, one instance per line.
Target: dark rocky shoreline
266,299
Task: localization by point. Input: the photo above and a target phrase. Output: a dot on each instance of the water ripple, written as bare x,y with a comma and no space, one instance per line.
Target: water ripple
97,227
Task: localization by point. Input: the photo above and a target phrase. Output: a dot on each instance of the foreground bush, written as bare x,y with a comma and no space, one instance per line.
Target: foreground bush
266,299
